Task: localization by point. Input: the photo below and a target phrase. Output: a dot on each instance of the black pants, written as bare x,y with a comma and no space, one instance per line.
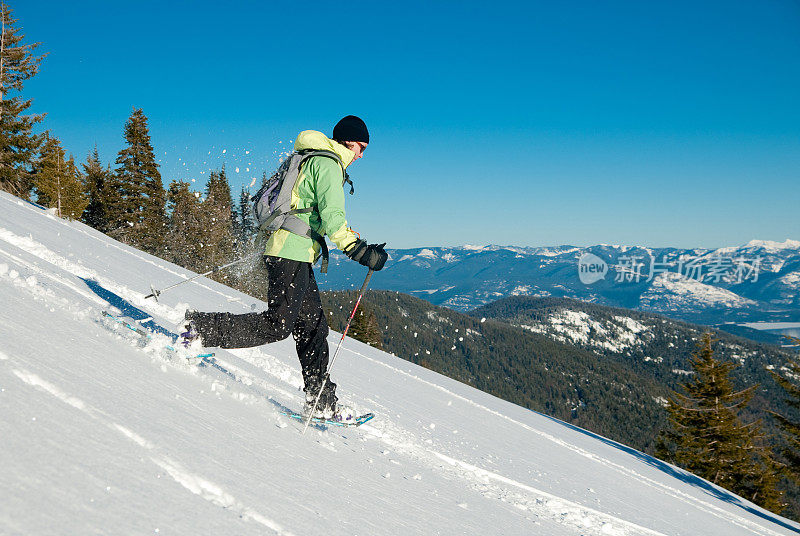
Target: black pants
293,307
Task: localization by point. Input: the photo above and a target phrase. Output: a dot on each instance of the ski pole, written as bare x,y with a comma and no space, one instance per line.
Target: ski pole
330,367
155,293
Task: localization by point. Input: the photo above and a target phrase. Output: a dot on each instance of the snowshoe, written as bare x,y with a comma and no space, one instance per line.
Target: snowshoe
344,414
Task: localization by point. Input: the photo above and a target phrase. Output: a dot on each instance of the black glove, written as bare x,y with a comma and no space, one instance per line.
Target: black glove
370,255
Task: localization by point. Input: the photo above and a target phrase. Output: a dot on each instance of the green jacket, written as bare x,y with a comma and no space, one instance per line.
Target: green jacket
318,185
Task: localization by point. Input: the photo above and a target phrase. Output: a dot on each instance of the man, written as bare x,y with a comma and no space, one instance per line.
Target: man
294,305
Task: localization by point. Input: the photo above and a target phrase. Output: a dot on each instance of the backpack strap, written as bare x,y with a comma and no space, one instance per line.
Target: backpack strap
348,181
323,249
292,212
307,153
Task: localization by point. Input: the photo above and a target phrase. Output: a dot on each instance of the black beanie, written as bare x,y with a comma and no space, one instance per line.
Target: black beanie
351,128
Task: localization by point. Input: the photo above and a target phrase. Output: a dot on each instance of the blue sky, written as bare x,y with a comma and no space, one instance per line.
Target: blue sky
530,123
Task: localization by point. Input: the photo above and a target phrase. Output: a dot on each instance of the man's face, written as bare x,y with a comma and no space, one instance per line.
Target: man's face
358,147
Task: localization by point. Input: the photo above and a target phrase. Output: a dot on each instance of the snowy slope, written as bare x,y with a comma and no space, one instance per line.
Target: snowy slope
102,435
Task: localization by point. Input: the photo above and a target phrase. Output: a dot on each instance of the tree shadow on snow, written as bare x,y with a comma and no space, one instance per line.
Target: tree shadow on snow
128,309
685,476
145,320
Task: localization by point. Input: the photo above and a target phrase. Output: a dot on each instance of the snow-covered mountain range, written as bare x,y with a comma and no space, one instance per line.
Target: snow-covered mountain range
104,432
759,281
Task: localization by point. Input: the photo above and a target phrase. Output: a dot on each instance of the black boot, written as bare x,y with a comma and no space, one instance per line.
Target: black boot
326,407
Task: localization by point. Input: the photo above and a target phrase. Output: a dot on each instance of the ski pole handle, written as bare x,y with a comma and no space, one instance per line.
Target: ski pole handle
366,282
154,294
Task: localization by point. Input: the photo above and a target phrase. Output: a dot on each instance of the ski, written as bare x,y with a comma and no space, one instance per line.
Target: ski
146,334
355,422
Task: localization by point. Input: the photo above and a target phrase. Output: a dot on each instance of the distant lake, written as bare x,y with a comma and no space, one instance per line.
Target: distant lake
778,328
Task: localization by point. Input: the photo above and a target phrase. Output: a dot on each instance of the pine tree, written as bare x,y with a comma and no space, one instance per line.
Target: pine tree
98,185
58,183
186,227
236,225
708,438
138,214
218,238
791,427
45,170
365,327
245,217
74,196
19,146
